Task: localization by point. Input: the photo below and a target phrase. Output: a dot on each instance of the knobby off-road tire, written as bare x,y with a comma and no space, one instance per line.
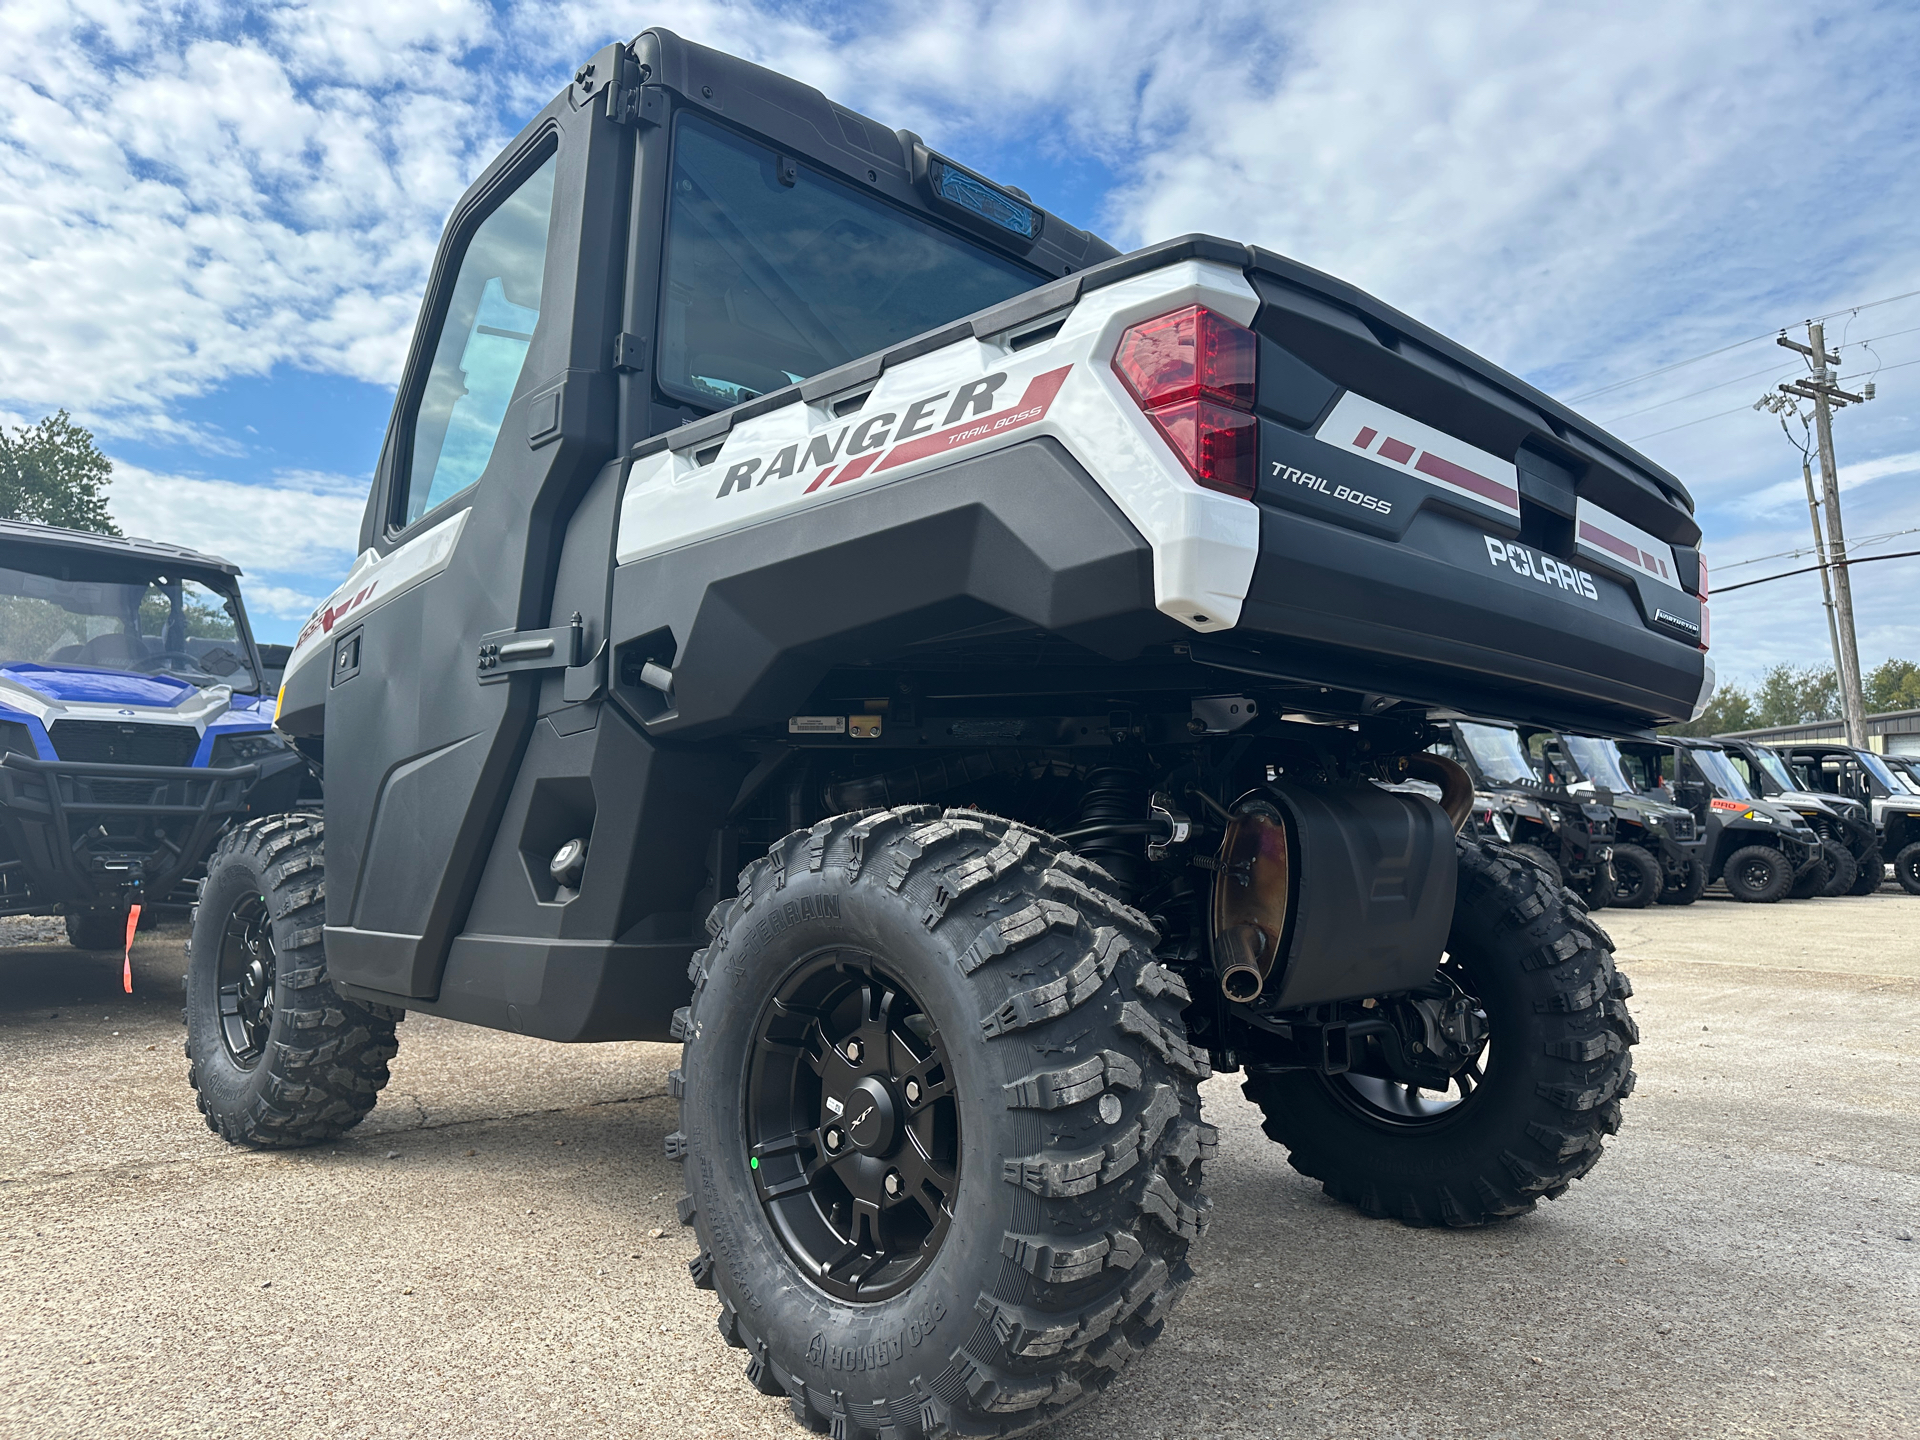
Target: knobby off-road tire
97,929
1906,868
1757,874
1557,1067
1637,878
1688,890
1872,873
1073,1097
1811,883
276,1057
1843,871
1541,858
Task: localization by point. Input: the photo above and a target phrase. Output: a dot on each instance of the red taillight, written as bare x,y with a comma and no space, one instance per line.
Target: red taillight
1193,373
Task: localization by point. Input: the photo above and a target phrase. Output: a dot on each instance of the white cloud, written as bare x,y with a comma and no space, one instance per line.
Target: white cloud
279,602
302,524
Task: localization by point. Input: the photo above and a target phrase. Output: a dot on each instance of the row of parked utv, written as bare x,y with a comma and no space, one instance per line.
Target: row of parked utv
1631,823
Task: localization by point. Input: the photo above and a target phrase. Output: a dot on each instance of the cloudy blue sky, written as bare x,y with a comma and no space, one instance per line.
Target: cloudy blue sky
215,220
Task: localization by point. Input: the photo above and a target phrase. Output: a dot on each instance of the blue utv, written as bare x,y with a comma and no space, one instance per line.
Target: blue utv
134,725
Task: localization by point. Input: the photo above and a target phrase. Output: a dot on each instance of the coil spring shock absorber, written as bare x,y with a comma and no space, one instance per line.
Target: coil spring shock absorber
1112,825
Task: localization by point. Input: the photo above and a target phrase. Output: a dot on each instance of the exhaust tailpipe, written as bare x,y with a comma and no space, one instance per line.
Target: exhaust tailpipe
1456,787
1250,901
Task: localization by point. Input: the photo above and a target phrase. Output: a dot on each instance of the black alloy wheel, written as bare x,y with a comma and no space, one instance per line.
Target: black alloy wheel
1536,1080
276,1056
246,976
1399,1105
1757,874
1906,868
852,1130
1637,878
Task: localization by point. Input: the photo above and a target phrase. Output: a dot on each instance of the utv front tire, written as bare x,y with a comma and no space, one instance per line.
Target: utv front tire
1757,875
1843,871
276,1056
1636,878
1557,1064
1906,868
1690,889
984,1257
1812,882
97,929
1872,873
1542,859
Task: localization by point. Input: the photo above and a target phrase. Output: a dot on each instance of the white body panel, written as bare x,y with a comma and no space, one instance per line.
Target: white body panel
1204,543
373,581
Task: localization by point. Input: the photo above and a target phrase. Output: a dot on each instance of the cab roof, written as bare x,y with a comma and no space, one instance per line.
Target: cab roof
17,533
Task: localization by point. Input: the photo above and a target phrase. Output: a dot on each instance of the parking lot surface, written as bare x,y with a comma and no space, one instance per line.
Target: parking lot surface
494,1252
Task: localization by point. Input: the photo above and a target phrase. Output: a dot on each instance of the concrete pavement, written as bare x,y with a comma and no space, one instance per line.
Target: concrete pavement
494,1253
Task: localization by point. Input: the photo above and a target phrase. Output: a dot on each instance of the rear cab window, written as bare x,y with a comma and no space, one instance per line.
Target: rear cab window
775,272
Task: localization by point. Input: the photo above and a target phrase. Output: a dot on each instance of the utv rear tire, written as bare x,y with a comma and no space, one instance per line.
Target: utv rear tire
1541,858
1757,875
1065,1076
97,929
1688,890
275,1055
1872,873
1906,868
1636,878
1558,1066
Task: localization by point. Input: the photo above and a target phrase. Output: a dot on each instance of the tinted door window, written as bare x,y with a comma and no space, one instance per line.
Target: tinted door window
481,348
776,272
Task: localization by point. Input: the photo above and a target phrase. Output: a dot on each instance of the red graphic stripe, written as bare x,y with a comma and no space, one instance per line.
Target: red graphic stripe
1443,469
818,481
1365,437
854,469
1398,451
1596,536
1032,409
1648,561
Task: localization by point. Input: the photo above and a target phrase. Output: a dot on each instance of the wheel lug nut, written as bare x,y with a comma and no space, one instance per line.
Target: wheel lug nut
892,1183
854,1052
833,1139
912,1088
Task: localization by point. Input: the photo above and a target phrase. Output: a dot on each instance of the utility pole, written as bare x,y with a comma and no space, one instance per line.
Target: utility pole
1825,393
1820,554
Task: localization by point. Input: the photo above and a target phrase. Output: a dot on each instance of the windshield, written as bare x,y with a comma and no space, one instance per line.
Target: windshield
1883,772
1498,754
1727,781
1599,761
775,272
156,625
1903,770
1775,767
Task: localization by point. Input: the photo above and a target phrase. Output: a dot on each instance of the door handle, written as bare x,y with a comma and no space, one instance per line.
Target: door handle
506,653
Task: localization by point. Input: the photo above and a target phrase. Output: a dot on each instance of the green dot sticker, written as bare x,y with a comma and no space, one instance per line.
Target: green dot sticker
753,1163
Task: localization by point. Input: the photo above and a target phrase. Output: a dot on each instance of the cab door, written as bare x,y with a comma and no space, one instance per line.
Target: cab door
506,410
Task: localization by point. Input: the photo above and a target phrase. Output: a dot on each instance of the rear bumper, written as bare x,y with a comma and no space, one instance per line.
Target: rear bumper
1427,615
86,834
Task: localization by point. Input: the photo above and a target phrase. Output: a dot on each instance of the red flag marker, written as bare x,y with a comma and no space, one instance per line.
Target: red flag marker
126,968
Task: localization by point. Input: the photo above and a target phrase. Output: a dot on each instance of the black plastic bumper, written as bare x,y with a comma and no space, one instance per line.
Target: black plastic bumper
68,824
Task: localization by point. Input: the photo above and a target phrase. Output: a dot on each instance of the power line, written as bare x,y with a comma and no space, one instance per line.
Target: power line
1742,409
1720,567
1720,590
1736,345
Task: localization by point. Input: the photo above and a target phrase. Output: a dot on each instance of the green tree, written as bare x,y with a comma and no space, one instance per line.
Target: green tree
1790,696
52,474
1730,709
1893,685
